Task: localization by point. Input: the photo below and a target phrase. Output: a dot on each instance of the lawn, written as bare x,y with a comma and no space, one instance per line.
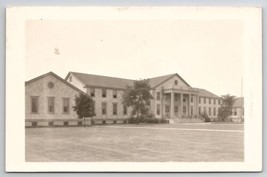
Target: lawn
137,143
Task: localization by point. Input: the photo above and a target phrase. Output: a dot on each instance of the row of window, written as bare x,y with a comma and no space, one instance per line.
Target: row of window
114,108
104,93
50,104
209,111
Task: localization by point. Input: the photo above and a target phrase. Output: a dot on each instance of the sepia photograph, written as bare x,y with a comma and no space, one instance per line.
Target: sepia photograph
163,85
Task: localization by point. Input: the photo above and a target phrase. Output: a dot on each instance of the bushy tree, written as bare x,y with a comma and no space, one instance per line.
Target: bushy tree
84,106
138,97
225,109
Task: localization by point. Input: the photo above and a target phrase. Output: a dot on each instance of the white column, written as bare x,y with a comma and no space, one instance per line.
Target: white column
181,105
172,104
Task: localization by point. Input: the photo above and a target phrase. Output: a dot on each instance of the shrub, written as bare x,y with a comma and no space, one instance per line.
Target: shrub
206,117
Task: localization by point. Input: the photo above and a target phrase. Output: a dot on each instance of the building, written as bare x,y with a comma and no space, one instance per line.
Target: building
49,97
173,97
238,110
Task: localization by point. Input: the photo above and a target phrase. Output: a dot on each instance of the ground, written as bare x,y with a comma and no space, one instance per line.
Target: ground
204,142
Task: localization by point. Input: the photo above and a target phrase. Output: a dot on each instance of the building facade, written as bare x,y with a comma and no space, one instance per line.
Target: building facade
173,97
238,110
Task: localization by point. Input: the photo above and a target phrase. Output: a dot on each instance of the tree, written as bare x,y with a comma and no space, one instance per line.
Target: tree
226,107
84,106
138,97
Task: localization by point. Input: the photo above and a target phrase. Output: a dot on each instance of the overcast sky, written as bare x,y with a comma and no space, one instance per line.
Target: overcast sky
207,54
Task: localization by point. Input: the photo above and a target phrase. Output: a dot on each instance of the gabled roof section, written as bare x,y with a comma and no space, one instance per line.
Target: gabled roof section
56,76
156,81
239,102
102,81
206,93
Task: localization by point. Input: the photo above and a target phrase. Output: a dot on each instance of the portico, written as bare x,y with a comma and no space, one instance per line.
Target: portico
179,103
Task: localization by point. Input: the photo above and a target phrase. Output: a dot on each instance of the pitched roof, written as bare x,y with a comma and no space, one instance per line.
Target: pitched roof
156,81
206,93
102,81
239,102
56,76
113,82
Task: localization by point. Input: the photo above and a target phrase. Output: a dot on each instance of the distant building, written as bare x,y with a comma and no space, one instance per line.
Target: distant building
238,110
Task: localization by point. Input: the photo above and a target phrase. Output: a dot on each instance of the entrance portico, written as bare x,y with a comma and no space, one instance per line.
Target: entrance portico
178,103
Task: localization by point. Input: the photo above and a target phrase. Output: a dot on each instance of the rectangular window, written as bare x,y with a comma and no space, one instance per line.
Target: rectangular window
34,104
158,109
124,110
214,111
209,111
204,100
104,93
183,99
114,93
214,101
175,109
158,95
192,99
167,108
92,92
219,101
51,104
66,105
104,108
115,106
184,109
199,100
209,100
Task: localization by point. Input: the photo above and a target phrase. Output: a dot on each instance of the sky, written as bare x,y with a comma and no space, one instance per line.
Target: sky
205,53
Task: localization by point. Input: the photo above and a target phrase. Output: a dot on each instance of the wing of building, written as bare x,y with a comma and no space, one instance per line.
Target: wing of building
173,97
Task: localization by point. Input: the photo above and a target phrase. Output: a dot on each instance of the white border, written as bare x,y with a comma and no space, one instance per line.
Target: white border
15,78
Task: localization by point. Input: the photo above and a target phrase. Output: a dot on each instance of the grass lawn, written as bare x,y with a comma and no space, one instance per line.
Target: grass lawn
137,143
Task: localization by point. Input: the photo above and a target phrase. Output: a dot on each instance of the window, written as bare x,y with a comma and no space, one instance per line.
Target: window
183,99
51,104
175,109
92,92
204,100
209,111
34,104
214,111
66,105
114,93
219,101
158,95
158,109
70,79
104,108
209,100
199,99
184,109
104,93
124,110
115,105
167,108
214,101
192,99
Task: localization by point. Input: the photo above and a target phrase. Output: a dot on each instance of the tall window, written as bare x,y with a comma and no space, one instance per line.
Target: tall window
124,110
175,109
158,109
34,104
214,111
158,95
167,108
114,93
204,100
199,100
192,99
66,105
104,93
70,79
51,104
104,108
115,106
209,111
92,92
184,109
214,101
209,100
